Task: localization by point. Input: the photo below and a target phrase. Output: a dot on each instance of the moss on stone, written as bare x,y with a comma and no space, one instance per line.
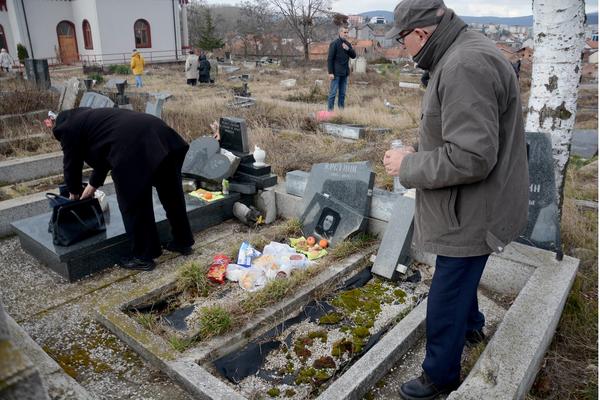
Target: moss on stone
400,295
300,347
305,375
274,392
321,377
318,334
330,319
290,393
360,332
340,347
324,363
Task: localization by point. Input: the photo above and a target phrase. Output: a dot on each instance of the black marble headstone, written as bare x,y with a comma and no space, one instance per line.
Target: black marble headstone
204,161
328,218
37,72
234,134
350,183
543,225
104,250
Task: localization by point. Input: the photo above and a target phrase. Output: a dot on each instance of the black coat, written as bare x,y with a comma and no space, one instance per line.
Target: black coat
337,59
128,143
204,68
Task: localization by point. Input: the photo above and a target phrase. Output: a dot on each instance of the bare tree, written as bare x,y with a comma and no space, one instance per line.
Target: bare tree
302,16
255,23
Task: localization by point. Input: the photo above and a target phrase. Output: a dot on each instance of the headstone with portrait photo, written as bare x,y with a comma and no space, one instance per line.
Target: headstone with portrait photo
337,199
328,218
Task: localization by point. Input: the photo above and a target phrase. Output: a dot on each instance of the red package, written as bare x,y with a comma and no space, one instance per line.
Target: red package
218,269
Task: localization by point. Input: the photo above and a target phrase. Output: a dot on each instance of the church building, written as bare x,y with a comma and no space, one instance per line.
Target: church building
92,31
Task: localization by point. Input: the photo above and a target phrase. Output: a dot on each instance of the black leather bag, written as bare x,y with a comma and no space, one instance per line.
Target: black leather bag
74,220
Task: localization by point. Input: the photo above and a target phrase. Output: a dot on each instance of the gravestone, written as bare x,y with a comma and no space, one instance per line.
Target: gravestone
205,161
234,134
71,93
346,131
543,225
395,245
295,182
104,250
155,108
584,143
112,83
328,218
350,183
95,100
37,72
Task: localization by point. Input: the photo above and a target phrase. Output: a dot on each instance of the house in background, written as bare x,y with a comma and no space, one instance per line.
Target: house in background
93,31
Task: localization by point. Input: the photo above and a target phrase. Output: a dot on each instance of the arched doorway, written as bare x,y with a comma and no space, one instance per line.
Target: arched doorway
67,42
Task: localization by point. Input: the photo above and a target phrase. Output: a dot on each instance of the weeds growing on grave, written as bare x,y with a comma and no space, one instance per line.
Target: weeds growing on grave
191,277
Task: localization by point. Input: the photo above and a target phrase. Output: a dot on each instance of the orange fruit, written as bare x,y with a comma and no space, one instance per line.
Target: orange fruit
323,243
208,196
311,240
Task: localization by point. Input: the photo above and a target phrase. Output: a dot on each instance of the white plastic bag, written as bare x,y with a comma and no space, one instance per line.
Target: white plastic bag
101,196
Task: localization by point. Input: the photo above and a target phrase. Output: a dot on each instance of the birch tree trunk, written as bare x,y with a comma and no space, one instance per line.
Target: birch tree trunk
185,35
559,40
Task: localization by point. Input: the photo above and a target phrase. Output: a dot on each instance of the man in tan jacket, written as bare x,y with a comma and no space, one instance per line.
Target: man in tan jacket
470,173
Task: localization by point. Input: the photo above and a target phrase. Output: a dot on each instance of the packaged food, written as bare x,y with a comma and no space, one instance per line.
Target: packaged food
246,254
218,269
234,272
252,279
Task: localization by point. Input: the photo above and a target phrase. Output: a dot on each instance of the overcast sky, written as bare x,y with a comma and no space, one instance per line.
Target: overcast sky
505,8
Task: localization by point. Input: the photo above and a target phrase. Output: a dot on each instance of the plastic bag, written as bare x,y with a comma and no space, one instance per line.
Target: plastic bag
218,269
235,272
246,254
253,279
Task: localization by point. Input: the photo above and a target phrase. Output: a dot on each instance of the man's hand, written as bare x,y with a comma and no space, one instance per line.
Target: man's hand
345,46
215,130
73,196
88,192
331,77
393,159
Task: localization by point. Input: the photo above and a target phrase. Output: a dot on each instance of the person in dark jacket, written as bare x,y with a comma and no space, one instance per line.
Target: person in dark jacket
340,52
470,174
204,70
141,151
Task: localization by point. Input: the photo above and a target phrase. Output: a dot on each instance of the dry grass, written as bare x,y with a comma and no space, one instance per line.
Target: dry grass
570,368
19,96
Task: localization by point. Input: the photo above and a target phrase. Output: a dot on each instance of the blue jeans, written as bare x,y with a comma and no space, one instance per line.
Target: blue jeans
338,83
138,81
452,311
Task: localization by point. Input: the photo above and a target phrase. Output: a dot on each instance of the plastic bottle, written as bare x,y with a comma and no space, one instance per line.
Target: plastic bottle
398,188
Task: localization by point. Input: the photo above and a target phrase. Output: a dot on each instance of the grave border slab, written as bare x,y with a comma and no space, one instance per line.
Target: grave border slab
188,368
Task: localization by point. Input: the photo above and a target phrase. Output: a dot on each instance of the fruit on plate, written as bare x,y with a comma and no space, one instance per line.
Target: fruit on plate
311,240
323,243
208,195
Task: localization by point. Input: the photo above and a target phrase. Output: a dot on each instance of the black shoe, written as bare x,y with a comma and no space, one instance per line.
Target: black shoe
176,248
473,338
137,264
422,388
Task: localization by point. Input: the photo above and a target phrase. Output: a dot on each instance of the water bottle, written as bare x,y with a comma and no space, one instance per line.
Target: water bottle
398,188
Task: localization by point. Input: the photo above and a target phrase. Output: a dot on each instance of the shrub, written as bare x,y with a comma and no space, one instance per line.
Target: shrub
22,52
97,77
120,69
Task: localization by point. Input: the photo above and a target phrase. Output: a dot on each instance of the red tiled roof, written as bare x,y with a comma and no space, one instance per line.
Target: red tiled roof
592,43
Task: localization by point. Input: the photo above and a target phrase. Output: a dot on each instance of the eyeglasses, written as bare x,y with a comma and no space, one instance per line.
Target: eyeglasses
402,36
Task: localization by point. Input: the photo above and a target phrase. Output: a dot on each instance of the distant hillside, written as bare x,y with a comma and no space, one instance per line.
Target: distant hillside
592,18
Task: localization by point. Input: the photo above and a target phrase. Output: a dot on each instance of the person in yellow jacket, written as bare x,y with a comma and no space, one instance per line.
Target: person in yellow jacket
137,66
